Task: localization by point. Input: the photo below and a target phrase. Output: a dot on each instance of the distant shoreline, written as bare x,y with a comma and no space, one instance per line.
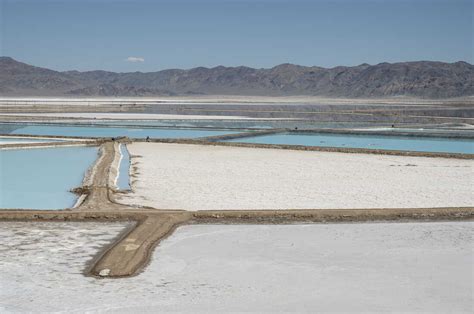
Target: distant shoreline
205,99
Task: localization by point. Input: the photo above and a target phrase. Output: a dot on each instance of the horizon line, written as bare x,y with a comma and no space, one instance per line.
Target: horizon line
243,66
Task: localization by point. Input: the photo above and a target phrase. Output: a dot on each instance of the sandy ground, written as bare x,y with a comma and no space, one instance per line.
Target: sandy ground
194,177
416,267
135,116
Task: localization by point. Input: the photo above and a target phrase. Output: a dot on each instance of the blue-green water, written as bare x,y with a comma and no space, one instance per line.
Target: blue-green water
123,181
90,131
408,143
42,178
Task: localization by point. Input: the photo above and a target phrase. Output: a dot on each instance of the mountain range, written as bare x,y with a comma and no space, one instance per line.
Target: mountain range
426,79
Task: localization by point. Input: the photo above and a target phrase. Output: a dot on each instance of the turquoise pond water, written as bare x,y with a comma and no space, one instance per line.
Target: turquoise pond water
411,143
42,178
123,181
90,131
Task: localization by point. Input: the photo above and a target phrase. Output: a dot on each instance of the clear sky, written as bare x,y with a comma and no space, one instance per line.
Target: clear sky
143,35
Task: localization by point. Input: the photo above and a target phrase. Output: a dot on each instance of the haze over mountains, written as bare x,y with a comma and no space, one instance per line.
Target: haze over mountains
419,79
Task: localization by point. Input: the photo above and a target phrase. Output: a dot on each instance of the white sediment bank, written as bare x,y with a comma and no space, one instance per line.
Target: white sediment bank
41,145
39,139
4,144
195,177
116,165
224,99
119,148
89,177
18,140
6,141
135,116
381,267
90,172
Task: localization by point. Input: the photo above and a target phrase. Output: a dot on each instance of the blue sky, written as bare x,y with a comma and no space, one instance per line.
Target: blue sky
103,34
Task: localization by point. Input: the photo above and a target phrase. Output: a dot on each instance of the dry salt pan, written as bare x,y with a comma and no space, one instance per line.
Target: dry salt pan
381,267
194,177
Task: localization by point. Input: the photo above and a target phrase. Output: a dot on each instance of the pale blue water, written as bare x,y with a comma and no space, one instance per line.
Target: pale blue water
90,131
408,143
123,181
42,178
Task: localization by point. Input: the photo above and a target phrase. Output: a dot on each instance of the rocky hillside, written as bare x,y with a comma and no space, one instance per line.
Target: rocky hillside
420,79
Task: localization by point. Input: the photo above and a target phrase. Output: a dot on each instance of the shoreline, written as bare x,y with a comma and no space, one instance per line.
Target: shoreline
46,145
198,99
118,166
50,137
88,179
134,116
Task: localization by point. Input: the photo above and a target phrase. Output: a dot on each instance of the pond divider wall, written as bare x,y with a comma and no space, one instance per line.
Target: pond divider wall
226,137
48,144
313,148
395,132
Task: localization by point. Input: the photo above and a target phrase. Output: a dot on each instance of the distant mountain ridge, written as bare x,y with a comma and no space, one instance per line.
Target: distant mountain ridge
425,79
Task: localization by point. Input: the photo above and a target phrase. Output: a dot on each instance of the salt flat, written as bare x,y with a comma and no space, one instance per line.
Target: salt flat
378,267
195,177
136,116
204,99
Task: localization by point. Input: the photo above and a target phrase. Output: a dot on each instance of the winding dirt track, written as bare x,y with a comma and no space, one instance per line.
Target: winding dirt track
132,251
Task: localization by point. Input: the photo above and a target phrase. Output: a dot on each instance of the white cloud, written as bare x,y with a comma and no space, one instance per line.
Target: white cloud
135,59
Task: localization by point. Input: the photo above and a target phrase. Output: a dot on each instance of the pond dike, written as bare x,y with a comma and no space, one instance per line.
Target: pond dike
226,137
395,132
392,132
131,251
48,144
202,141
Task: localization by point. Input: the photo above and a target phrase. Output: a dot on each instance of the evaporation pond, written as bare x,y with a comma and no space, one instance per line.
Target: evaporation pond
402,143
95,131
42,178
